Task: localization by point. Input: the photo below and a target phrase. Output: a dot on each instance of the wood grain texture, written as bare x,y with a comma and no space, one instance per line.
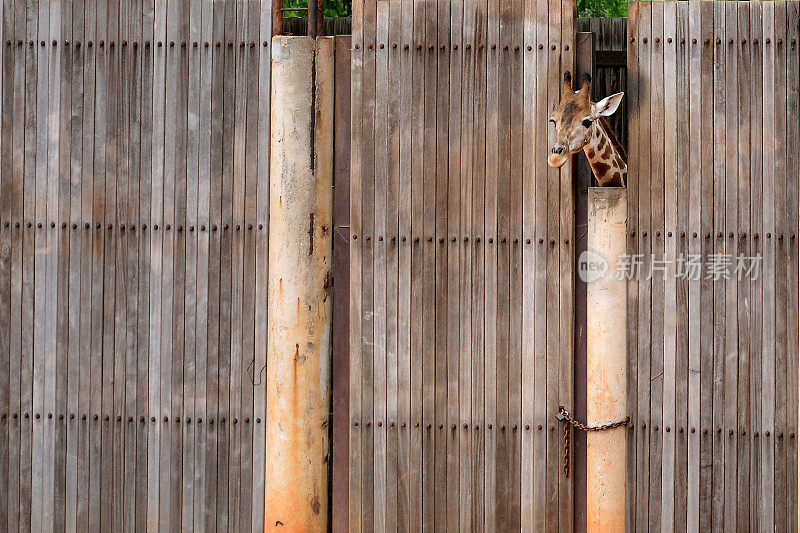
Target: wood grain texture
449,266
720,153
109,276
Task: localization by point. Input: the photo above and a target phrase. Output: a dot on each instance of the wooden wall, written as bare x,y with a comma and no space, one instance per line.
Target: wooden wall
609,65
713,363
461,277
134,178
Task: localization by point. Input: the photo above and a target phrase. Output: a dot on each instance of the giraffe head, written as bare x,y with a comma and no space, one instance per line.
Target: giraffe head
574,117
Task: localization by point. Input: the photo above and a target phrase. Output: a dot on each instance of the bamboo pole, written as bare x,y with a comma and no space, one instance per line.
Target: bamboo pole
606,353
300,249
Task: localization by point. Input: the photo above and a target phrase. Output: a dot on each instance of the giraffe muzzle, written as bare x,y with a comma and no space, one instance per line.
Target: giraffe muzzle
558,156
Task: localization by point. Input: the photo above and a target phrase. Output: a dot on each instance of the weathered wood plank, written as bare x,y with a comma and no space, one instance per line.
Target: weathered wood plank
451,250
192,304
380,273
634,446
674,496
756,228
407,469
686,345
768,380
528,323
491,494
477,333
742,249
441,52
367,288
391,36
706,397
779,242
644,451
514,56
792,290
7,179
144,391
262,217
356,355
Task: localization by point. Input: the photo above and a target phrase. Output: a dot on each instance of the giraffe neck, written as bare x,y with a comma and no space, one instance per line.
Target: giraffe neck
606,156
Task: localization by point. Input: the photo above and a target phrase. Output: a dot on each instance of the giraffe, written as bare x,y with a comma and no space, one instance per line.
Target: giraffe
580,124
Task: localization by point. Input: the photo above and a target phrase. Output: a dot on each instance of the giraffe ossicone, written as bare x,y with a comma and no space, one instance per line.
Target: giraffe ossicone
581,124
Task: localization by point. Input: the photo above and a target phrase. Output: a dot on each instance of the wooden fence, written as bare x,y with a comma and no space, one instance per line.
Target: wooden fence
713,375
461,278
609,65
134,177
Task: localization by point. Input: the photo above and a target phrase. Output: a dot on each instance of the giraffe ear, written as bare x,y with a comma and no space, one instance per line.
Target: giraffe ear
607,106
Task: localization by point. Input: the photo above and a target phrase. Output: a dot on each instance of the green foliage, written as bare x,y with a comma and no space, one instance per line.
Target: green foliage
333,8
603,8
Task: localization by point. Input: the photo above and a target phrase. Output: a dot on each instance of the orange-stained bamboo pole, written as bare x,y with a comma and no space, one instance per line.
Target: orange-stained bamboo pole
606,309
300,248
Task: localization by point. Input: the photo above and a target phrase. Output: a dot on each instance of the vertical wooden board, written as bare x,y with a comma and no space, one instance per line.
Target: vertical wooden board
781,384
233,432
501,245
672,487
551,265
703,507
742,250
792,215
391,250
144,392
6,335
514,432
756,228
528,353
192,304
440,197
226,320
731,232
478,257
63,210
451,231
635,435
247,414
356,420
660,515
418,411
683,227
465,38
170,289
213,408
132,62
768,306
542,137
14,69
644,297
379,383
566,265
27,305
368,228
259,388
490,270
155,470
718,509
40,313
406,469
121,272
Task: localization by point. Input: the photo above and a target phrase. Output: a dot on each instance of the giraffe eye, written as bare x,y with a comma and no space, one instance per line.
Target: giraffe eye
553,121
587,123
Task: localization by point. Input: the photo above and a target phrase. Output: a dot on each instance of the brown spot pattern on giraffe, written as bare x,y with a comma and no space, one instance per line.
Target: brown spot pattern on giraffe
601,168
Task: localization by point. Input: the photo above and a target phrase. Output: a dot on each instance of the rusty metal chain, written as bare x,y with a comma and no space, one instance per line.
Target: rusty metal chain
564,416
